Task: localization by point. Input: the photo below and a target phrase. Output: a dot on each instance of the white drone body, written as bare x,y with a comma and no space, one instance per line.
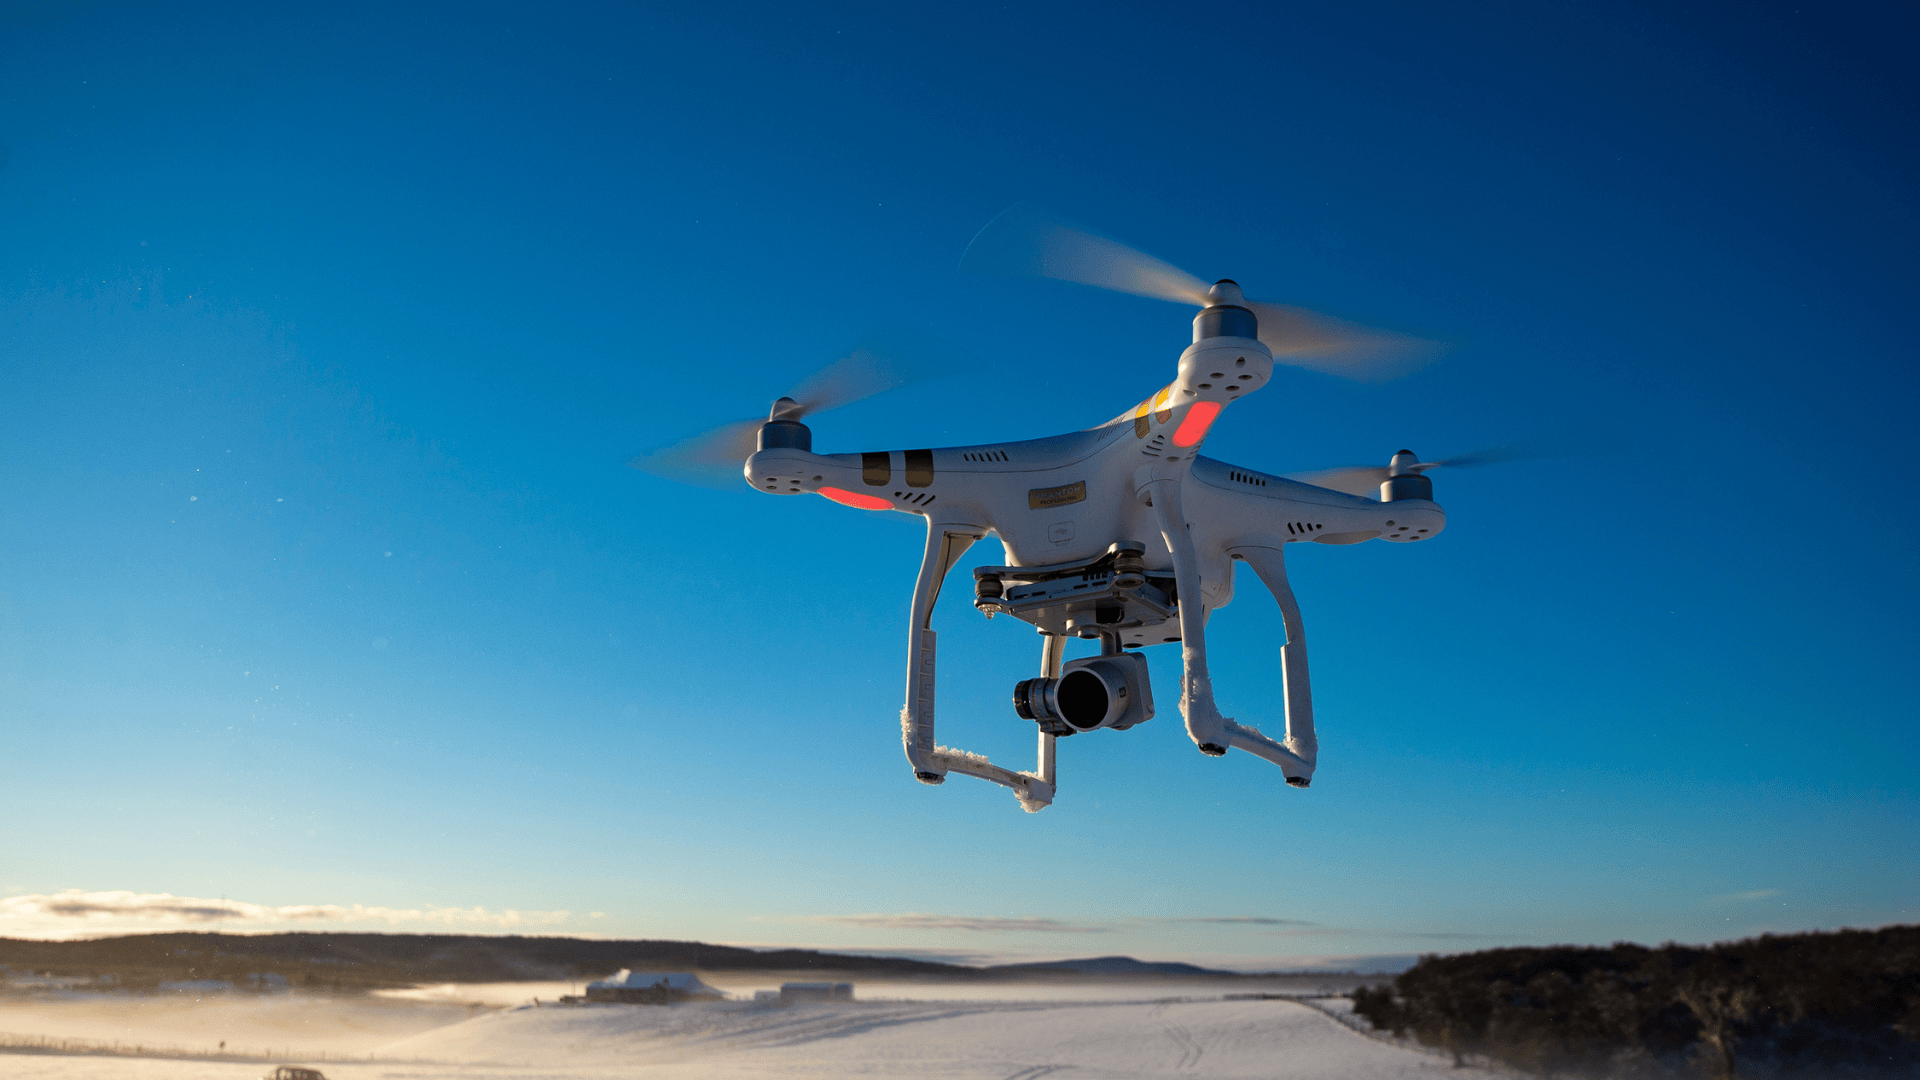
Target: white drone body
1121,533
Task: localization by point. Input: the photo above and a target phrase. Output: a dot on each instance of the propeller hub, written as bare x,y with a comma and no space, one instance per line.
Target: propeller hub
1226,291
786,409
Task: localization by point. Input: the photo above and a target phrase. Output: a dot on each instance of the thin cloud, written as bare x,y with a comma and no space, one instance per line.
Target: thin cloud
988,924
1231,920
914,920
78,910
158,906
1311,930
1263,925
1748,895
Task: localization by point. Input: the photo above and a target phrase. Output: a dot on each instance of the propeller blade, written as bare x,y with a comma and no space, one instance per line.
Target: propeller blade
1494,455
888,357
1026,241
709,459
1352,479
1322,343
1366,479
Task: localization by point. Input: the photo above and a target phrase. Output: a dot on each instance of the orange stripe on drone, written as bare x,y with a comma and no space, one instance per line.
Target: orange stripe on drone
1199,418
862,502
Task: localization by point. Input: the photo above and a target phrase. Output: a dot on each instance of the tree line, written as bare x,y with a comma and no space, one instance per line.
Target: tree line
1833,1005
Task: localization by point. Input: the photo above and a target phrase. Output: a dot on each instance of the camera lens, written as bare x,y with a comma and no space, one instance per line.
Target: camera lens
1023,698
1083,699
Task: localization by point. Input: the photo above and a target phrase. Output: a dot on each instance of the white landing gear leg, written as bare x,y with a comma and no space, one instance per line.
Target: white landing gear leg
945,545
1205,726
1301,750
931,762
1053,649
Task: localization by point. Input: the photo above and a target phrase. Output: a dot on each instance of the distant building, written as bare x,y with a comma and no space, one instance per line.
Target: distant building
46,982
651,988
815,991
196,986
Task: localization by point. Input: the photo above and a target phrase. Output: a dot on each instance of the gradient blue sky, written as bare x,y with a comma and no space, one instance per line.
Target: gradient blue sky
326,334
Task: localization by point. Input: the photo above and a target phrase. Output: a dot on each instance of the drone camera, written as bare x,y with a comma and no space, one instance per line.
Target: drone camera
1097,692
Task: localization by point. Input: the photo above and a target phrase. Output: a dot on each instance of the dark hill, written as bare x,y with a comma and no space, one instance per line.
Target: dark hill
349,962
1109,965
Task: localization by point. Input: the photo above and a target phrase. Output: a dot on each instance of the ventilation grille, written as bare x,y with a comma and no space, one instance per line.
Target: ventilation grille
984,455
1299,528
914,498
1247,478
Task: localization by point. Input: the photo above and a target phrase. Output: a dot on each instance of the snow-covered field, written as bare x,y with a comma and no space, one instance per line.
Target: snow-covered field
962,1040
251,1023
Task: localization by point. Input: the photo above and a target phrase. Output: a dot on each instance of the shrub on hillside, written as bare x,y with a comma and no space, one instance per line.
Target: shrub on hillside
1833,1006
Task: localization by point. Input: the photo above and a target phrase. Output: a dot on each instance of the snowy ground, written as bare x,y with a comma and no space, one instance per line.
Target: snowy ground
252,1023
961,1040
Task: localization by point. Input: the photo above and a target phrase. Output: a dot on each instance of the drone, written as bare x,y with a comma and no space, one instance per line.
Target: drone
1122,533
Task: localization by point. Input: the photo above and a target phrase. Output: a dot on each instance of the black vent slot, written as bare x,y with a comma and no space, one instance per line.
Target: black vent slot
984,455
1247,478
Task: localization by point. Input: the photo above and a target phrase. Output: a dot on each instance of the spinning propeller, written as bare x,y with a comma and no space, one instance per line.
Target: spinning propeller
1026,241
1366,479
889,357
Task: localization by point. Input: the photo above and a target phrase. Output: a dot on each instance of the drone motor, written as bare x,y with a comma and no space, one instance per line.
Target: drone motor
783,429
1405,480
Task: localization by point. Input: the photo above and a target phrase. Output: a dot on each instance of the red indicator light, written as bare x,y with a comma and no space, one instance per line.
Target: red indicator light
1194,427
863,502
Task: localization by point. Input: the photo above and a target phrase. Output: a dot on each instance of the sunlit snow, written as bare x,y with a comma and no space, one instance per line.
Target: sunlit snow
1078,1031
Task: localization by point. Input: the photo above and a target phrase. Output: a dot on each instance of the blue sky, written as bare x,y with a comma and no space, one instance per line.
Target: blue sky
326,336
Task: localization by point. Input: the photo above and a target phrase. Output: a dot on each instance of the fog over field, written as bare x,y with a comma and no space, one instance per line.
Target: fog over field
1096,1030
245,1022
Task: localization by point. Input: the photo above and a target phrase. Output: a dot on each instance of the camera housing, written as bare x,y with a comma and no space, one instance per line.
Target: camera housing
1098,692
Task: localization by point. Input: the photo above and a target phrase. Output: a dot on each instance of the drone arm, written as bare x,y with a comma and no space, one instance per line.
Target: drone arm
931,761
1298,753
